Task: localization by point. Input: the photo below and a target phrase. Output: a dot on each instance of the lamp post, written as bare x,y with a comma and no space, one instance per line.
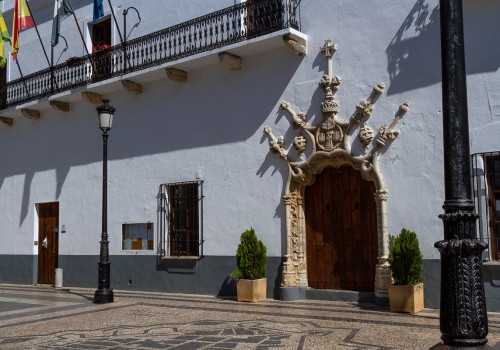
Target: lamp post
125,12
463,319
104,294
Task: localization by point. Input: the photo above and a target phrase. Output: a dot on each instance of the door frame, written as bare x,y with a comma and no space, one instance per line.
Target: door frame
295,265
329,144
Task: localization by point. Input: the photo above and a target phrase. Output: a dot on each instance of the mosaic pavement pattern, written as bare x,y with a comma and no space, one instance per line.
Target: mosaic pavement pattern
45,318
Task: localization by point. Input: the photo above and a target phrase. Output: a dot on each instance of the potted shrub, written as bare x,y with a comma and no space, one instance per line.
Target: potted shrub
406,294
251,268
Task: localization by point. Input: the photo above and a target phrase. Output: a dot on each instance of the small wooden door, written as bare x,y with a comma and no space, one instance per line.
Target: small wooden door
48,242
341,230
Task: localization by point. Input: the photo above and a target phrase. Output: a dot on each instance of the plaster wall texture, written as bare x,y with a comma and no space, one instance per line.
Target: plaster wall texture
213,125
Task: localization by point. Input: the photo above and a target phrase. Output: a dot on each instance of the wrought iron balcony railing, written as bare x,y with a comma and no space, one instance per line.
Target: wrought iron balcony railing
234,24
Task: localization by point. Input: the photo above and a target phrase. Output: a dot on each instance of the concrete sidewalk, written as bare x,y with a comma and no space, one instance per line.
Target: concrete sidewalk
48,318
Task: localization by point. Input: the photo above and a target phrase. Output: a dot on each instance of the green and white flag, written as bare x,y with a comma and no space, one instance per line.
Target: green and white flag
62,9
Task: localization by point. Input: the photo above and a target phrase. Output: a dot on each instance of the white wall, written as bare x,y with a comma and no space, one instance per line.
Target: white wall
214,125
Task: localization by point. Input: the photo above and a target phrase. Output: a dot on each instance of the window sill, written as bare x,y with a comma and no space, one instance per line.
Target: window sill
179,264
138,252
181,257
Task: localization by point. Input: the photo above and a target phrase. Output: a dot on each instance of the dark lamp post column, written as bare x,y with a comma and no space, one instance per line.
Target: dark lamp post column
463,319
104,294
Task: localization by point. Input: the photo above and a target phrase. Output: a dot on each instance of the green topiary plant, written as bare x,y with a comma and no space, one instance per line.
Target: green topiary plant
405,258
250,257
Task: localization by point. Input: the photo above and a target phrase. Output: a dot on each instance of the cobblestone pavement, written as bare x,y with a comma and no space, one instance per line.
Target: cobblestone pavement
47,318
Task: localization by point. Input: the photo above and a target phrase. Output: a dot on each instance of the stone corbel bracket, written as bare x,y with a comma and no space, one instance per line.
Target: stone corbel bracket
7,121
296,43
230,61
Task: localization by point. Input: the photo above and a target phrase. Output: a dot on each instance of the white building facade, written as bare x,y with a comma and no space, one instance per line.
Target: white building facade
231,115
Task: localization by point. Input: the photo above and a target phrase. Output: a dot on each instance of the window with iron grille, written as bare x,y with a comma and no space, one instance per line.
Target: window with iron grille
486,187
182,219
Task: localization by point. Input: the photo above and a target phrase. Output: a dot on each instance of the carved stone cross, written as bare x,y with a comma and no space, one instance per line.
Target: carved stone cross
329,49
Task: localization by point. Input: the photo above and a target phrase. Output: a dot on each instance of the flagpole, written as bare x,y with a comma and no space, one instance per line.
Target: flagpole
52,78
38,33
21,73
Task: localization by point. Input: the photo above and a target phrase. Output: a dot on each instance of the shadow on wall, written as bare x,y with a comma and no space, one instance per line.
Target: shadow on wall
163,120
414,54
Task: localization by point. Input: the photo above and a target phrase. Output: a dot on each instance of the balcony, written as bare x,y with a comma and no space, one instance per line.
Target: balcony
246,28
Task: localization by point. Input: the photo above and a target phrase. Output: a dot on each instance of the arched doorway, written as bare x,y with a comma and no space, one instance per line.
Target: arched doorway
341,231
356,241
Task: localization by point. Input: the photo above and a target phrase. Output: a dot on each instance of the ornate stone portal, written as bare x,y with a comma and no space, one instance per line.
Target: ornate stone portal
329,144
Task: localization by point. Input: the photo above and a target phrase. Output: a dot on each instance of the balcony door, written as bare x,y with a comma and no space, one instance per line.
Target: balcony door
101,39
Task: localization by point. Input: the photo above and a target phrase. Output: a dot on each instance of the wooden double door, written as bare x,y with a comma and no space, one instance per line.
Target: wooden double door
341,231
48,242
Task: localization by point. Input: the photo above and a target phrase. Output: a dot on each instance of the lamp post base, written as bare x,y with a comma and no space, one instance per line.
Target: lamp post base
103,296
457,343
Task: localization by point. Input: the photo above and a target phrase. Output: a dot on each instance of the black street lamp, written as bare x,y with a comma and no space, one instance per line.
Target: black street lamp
463,319
125,12
104,294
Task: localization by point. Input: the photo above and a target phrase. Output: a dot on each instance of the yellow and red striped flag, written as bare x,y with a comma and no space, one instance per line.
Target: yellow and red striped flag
22,20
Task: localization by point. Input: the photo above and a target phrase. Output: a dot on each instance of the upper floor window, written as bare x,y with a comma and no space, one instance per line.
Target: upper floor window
101,34
182,211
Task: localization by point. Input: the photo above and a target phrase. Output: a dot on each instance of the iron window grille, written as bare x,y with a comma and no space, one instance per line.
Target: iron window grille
486,192
181,219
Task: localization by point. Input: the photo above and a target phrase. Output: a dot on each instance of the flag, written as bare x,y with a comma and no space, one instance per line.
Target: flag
4,36
22,20
62,9
98,10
